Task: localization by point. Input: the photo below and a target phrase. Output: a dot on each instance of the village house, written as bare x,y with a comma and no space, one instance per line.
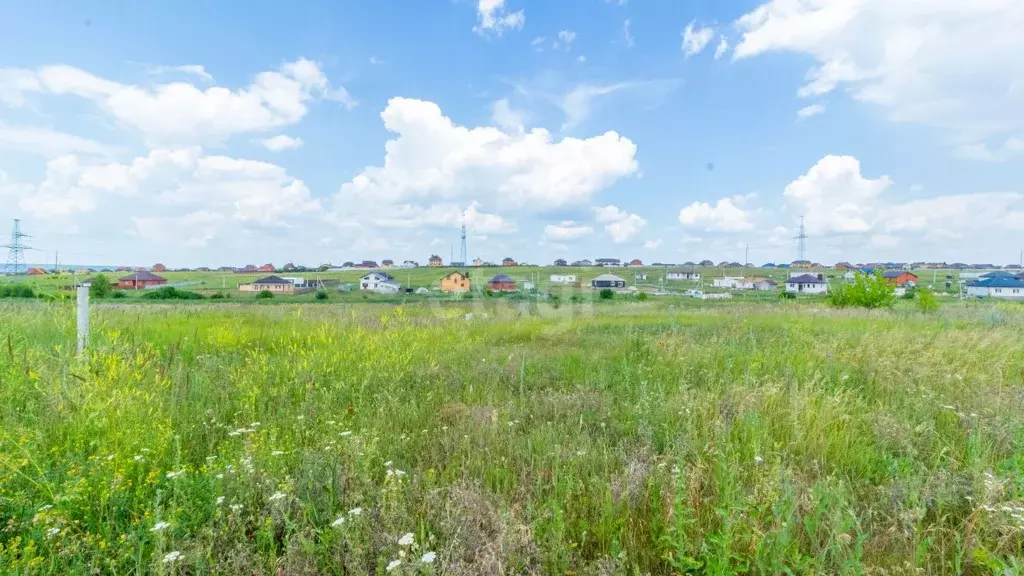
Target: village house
607,281
682,275
159,268
508,262
410,264
435,261
501,283
266,268
763,284
900,278
583,263
843,266
608,262
996,287
455,282
806,284
274,284
379,282
35,272
140,280
563,278
636,262
478,262
561,262
387,263
732,282
367,264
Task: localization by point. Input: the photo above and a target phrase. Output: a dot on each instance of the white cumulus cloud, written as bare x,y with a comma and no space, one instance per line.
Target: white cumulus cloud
567,230
619,224
494,17
808,111
696,38
725,215
282,142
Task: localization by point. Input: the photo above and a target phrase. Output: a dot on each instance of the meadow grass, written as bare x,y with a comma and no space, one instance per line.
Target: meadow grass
632,439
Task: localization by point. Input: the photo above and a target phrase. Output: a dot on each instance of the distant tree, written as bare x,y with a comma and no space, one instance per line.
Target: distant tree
867,291
100,287
321,295
927,302
607,294
265,294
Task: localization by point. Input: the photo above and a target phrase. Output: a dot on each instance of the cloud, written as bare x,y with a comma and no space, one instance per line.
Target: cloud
565,40
538,43
432,158
627,35
723,47
376,61
581,101
620,225
504,116
695,39
653,244
947,64
49,143
494,17
180,112
834,197
193,69
282,142
981,151
725,215
808,111
567,230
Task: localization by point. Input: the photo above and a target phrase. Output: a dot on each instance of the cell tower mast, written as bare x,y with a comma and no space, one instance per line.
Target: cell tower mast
801,241
16,250
465,252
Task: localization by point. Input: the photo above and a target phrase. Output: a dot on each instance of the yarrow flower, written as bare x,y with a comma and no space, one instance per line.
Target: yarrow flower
406,539
276,496
276,453
160,526
220,499
53,531
394,564
428,558
139,458
171,557
355,512
345,433
173,475
338,522
236,507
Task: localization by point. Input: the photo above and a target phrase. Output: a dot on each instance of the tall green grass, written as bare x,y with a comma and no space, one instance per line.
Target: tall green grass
638,439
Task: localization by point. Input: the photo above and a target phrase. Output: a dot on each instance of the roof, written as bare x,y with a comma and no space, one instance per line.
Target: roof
607,278
999,274
765,281
805,279
501,278
383,275
680,271
459,272
998,282
142,277
272,280
896,273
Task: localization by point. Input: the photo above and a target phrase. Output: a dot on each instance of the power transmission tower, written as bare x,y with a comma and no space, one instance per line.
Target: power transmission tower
801,241
17,248
465,252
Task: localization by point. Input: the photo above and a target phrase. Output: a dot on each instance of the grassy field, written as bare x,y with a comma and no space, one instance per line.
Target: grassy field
634,438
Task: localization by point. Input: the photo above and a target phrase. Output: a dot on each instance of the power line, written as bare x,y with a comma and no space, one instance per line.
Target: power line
464,252
16,250
801,245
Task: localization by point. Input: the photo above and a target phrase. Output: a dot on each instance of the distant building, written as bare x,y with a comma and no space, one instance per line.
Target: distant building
636,262
387,263
843,266
140,280
563,278
996,287
582,263
763,284
706,264
607,281
202,269
159,267
732,282
274,284
455,282
900,278
508,262
410,264
266,268
477,262
379,282
289,267
435,261
367,264
800,264
806,284
608,262
36,272
501,283
682,275
561,262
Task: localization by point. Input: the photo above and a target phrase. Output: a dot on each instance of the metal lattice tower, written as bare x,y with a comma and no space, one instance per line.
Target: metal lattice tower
16,250
801,241
464,252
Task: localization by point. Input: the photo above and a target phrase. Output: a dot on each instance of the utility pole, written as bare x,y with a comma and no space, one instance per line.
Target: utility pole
17,248
801,239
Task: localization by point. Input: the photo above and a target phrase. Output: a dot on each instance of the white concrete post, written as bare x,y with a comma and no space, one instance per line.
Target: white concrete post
83,317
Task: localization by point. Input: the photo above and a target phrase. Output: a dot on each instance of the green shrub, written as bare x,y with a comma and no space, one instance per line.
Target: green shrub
642,296
263,294
909,293
217,296
118,294
171,293
927,302
321,295
786,295
867,291
607,294
100,287
17,291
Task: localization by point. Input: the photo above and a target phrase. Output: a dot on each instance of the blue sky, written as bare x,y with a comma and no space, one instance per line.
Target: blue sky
197,134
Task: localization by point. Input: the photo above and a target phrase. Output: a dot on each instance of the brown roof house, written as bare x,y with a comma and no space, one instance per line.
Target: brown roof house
501,283
270,283
455,282
140,280
435,261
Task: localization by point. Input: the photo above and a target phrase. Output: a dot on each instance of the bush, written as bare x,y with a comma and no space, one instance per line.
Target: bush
786,295
607,294
17,291
927,302
867,291
265,294
909,293
321,295
642,296
217,296
100,287
171,293
118,294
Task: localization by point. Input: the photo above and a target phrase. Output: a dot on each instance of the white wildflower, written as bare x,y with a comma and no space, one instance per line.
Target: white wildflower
254,425
443,428
211,458
276,496
173,475
345,433
171,557
276,453
355,512
406,539
46,507
428,558
139,458
53,532
220,476
388,464
144,450
331,422
393,564
758,460
338,522
220,499
110,456
236,507
159,526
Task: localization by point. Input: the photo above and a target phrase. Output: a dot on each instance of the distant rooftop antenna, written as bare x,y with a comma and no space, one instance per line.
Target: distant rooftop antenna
465,252
17,248
801,241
